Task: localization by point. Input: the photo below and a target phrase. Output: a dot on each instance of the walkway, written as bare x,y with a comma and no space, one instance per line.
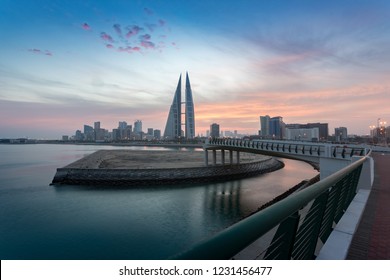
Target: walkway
372,238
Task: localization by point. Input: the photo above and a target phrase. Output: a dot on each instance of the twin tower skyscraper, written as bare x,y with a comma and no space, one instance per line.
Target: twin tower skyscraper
173,128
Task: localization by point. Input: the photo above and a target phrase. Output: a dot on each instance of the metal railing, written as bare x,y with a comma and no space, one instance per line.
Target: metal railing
300,221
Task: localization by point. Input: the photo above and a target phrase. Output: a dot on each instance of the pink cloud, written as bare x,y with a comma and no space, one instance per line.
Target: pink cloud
147,44
106,37
109,46
133,30
86,26
129,49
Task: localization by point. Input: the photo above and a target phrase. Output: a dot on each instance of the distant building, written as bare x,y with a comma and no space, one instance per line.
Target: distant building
322,129
150,131
157,134
79,135
65,138
264,126
122,125
272,127
138,126
116,135
89,133
174,122
341,134
99,132
303,134
214,130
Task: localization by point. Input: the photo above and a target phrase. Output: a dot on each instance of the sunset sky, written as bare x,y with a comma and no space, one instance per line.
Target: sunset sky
64,64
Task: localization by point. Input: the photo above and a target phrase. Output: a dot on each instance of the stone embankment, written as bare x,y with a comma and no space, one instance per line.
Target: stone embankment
110,168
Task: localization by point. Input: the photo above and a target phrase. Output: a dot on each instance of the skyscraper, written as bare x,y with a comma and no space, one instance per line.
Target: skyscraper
214,130
190,116
264,125
173,125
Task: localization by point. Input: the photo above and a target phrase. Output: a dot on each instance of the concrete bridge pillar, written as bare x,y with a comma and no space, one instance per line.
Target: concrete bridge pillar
223,157
231,156
214,157
238,157
206,157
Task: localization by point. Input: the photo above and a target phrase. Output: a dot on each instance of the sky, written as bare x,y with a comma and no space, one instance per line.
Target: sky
64,64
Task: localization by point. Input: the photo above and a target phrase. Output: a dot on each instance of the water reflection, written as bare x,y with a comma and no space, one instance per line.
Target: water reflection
224,198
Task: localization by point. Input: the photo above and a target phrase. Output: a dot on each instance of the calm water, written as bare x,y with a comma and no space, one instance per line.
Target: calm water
38,221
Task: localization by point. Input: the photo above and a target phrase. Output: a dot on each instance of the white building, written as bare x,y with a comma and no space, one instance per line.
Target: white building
303,134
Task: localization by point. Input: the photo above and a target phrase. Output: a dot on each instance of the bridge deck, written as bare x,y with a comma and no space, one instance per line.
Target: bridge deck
372,238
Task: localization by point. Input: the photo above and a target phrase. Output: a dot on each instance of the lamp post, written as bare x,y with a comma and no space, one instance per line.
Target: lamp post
382,130
372,130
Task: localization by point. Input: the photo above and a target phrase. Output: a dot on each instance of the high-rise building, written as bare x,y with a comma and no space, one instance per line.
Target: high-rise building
341,134
264,125
189,113
157,134
276,127
173,126
96,126
122,125
273,127
214,130
150,131
138,126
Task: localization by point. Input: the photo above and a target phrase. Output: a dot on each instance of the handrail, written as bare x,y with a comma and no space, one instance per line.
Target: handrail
232,240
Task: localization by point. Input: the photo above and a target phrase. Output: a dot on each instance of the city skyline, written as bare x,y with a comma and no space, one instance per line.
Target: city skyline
67,63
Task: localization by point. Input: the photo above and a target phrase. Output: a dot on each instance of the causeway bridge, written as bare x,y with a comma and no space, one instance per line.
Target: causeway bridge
318,222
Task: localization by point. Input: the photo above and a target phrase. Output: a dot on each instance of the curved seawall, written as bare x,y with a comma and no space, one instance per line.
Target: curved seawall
163,176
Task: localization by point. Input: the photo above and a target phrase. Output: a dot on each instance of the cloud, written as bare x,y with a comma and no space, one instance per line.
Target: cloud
145,41
38,51
109,46
129,49
118,29
106,37
151,26
133,30
86,26
148,44
161,22
145,37
148,11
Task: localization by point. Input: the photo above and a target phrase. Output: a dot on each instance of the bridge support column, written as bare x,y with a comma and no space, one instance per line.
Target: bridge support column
214,157
238,157
206,157
231,157
223,157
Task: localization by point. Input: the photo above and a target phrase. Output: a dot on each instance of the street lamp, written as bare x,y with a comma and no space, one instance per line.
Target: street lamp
372,130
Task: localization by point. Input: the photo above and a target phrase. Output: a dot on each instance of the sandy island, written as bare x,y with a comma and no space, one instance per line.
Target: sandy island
135,159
